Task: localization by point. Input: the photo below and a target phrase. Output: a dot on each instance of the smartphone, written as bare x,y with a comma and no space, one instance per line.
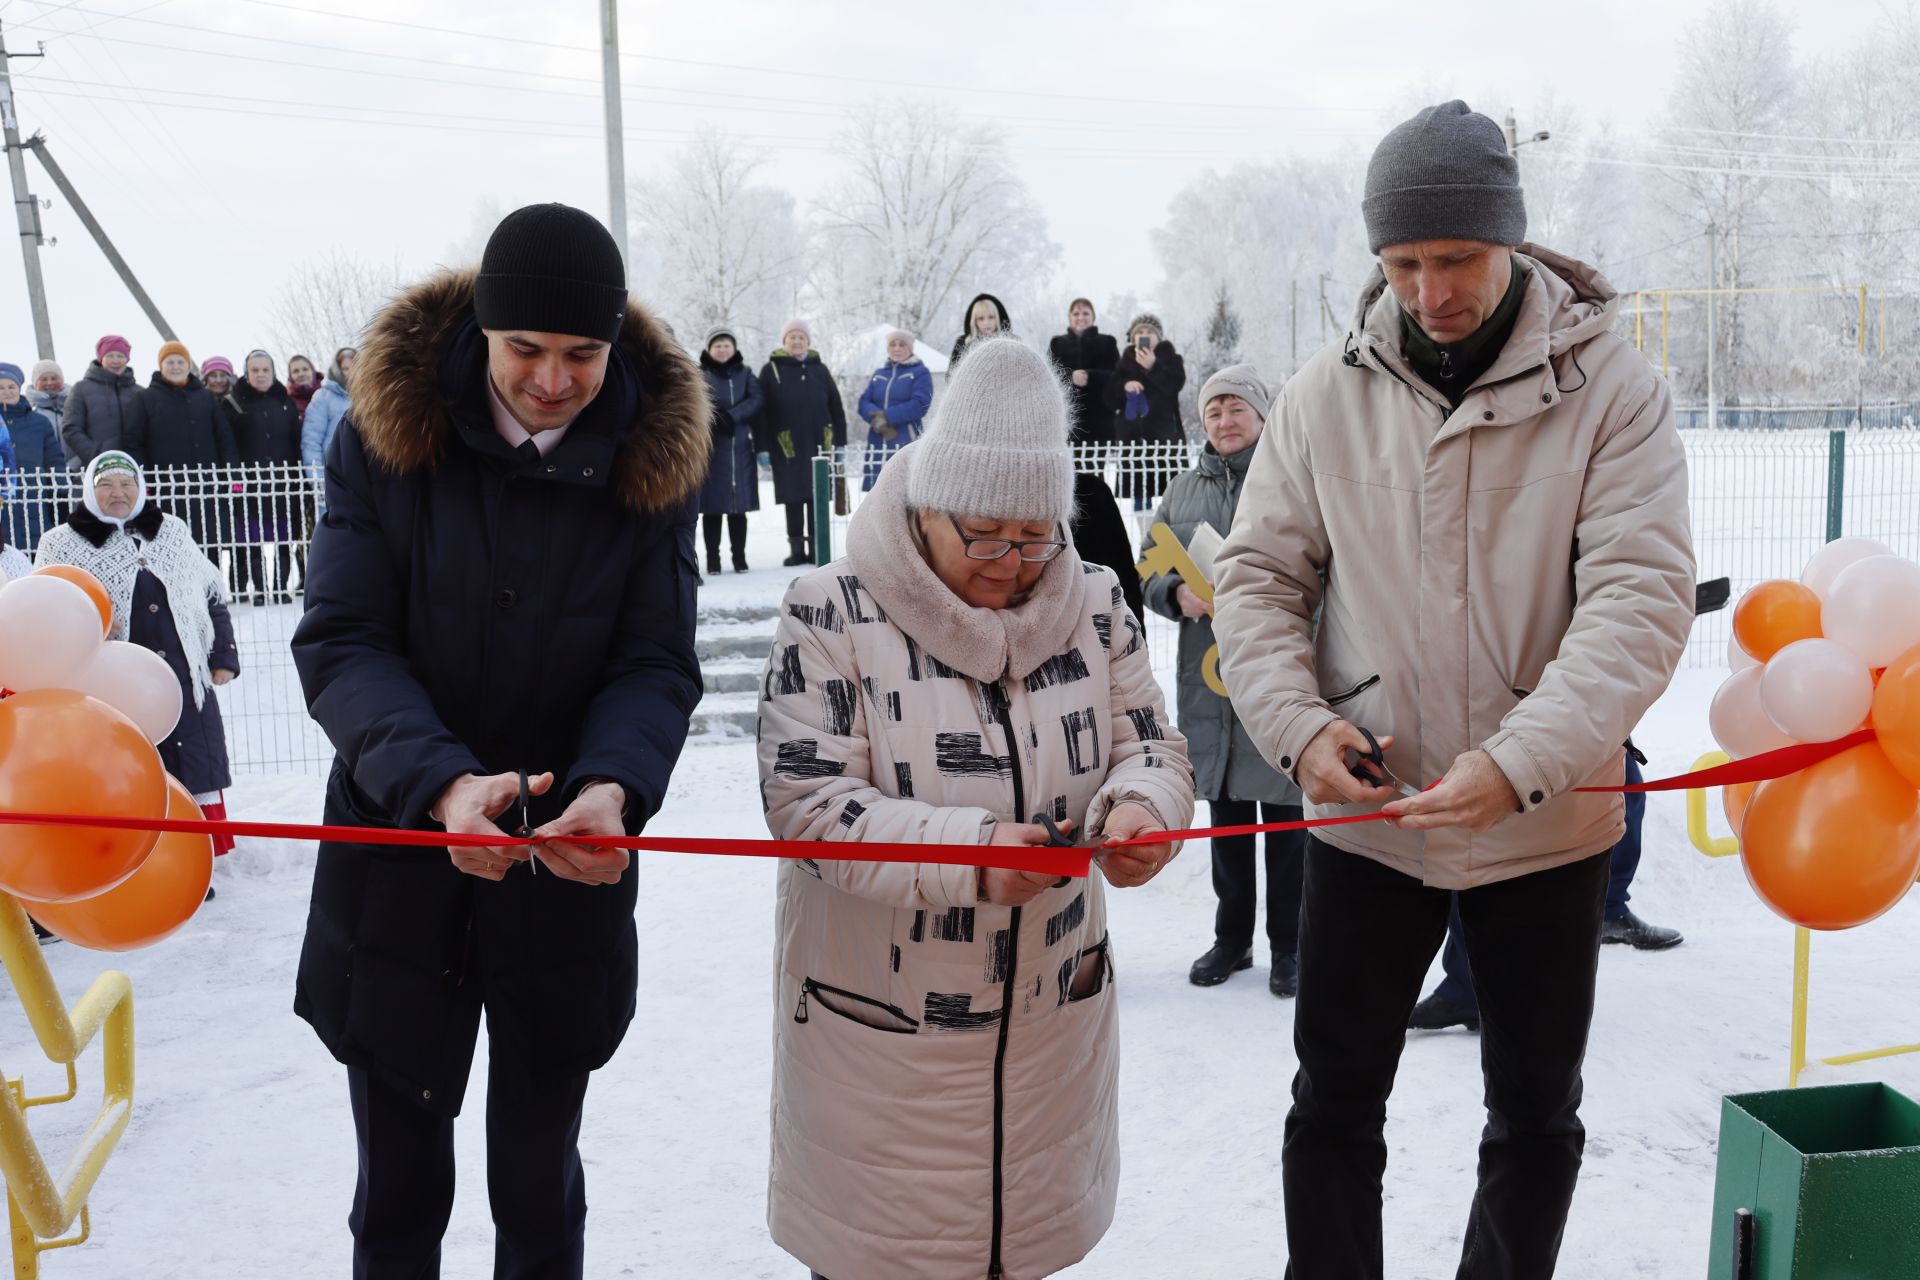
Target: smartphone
1144,342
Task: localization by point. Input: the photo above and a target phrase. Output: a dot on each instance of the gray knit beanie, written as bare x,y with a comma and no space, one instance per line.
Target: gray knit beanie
1446,174
998,447
720,331
1237,380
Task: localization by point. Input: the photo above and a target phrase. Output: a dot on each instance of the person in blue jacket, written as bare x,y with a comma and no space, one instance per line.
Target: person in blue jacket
894,405
29,443
733,477
504,582
325,412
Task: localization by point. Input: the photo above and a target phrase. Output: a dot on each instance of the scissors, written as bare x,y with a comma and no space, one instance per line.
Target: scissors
526,821
1370,766
1056,839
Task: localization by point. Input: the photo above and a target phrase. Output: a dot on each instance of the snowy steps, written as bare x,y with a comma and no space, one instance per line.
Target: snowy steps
732,642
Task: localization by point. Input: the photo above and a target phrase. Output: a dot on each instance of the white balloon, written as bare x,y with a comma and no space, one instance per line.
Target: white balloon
1873,609
1816,691
1829,560
1739,723
1737,658
136,682
49,632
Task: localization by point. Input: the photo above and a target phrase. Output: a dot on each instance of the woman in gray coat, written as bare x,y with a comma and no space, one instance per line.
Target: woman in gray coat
1228,769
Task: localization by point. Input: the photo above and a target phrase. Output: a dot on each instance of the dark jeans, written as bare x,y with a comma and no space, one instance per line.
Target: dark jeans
534,1181
1623,862
736,534
800,524
1367,935
1233,876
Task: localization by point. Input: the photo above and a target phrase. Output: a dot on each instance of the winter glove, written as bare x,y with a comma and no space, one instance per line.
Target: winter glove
1136,405
785,441
722,422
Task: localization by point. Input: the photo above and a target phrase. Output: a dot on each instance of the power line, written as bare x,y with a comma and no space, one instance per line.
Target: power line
806,75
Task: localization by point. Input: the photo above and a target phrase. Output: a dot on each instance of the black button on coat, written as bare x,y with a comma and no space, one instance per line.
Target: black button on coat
476,608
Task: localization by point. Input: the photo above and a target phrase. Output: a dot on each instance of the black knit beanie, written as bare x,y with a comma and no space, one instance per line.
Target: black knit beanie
549,268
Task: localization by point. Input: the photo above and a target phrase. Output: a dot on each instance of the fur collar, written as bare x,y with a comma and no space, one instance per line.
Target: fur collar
987,644
97,531
405,416
734,361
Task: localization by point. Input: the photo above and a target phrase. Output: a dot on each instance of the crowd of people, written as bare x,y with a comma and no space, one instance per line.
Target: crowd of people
190,419
1455,545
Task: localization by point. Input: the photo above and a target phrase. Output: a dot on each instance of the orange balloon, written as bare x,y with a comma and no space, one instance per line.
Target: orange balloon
153,902
1835,845
1896,714
63,752
1773,615
1735,800
89,584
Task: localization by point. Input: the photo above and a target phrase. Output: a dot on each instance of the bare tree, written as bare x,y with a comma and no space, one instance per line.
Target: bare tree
721,248
929,211
328,303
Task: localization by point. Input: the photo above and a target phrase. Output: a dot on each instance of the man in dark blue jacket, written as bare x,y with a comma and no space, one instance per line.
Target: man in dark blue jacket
504,581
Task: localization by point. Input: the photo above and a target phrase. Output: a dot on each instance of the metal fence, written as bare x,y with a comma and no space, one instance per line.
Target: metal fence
254,522
1762,503
1800,417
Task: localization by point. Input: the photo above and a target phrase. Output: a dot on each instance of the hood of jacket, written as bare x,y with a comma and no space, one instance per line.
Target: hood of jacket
1572,304
405,415
987,644
331,390
97,372
159,383
244,393
966,317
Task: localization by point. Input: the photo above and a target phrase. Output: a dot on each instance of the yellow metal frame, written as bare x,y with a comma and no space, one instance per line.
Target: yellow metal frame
1666,296
1723,846
40,1206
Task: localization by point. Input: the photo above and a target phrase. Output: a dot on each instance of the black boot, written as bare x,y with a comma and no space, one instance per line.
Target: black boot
1436,1013
739,562
713,562
799,557
1284,981
1220,963
1638,934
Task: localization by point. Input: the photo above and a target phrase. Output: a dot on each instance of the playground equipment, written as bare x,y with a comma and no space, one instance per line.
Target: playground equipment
42,1207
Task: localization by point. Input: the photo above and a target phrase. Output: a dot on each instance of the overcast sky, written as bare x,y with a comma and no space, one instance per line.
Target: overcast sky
224,143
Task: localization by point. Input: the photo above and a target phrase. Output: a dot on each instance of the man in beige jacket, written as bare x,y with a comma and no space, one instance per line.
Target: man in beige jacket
1465,531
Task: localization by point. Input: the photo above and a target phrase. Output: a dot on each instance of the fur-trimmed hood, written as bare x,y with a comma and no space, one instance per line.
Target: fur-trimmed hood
405,416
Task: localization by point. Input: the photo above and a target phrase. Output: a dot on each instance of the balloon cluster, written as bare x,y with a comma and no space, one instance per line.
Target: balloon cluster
1817,660
79,719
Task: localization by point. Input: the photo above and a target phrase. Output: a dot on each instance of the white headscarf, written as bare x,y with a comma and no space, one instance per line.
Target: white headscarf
109,461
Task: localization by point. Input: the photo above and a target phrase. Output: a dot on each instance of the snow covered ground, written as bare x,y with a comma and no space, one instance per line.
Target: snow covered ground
240,1161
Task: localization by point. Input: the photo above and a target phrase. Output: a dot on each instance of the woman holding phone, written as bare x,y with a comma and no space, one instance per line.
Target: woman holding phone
1145,392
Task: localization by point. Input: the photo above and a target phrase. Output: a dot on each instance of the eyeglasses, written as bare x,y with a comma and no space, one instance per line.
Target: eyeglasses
994,548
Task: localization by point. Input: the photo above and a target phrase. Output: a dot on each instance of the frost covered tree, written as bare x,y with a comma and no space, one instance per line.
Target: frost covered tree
929,212
1269,233
721,248
1222,346
328,303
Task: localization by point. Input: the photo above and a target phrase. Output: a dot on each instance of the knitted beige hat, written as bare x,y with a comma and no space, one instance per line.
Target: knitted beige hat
1238,380
998,447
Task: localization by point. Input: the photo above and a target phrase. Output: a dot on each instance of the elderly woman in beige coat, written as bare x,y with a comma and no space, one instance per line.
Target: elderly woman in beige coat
946,1065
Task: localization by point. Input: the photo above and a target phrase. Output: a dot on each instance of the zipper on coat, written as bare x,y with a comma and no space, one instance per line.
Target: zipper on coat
1005,716
1354,692
810,986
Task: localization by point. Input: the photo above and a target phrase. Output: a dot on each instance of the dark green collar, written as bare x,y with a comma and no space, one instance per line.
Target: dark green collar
1451,368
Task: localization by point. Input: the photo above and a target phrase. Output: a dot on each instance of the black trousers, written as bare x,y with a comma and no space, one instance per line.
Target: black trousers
800,524
736,534
1234,881
1367,936
534,1181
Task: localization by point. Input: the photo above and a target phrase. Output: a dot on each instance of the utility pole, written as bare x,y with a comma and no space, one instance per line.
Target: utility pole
26,211
38,145
1293,323
616,135
1713,283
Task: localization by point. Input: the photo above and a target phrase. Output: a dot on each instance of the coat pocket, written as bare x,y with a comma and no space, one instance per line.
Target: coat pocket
1348,695
1092,974
865,1010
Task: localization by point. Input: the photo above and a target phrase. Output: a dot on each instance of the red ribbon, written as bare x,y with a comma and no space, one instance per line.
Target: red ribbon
1040,858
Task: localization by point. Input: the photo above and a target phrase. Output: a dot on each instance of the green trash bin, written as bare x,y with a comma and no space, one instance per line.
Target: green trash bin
1817,1184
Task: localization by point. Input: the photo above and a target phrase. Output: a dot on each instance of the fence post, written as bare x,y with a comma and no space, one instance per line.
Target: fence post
1836,482
823,509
